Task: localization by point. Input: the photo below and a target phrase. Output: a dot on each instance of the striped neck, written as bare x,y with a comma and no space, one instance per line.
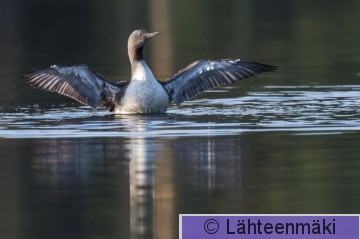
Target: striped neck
135,55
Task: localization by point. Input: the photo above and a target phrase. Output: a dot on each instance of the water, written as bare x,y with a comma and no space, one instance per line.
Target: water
300,109
285,142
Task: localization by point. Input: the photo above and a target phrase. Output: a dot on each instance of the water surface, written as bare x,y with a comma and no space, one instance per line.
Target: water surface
330,109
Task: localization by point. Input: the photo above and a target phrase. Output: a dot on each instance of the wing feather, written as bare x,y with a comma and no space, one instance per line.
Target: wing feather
203,75
78,82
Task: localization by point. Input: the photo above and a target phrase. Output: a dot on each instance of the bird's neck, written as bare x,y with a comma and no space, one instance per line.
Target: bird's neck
141,72
135,55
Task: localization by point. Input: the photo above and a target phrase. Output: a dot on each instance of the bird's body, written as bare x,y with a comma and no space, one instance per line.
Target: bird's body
143,94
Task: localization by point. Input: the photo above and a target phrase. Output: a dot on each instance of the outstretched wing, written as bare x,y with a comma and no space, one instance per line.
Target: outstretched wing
203,75
78,82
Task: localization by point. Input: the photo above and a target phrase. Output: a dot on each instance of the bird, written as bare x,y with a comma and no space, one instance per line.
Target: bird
143,94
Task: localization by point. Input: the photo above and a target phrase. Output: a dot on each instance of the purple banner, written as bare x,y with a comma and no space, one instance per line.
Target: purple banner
269,227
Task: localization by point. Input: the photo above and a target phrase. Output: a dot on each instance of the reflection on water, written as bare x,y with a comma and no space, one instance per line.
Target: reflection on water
68,184
152,212
87,173
87,181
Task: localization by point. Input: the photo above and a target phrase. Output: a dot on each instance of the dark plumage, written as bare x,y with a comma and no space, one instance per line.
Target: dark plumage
80,83
203,75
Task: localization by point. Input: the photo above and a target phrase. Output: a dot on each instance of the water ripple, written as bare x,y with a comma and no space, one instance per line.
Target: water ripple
299,109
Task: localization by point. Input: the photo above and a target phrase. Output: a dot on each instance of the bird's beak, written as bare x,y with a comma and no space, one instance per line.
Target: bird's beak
150,35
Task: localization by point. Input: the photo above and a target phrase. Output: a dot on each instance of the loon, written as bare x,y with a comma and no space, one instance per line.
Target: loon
144,94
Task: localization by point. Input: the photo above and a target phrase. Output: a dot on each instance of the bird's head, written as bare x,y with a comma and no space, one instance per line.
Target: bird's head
138,39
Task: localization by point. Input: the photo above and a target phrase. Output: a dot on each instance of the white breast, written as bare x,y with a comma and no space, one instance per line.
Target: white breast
144,94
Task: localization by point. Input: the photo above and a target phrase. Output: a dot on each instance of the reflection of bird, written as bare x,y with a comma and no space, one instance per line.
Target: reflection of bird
143,94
